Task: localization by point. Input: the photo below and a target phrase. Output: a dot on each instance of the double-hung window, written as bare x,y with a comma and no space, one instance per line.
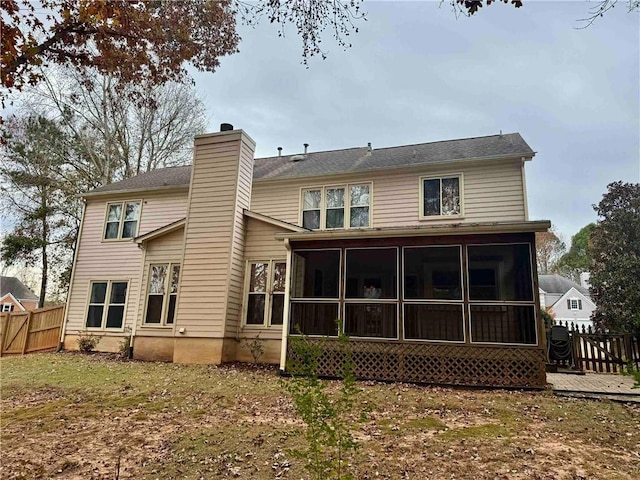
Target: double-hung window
265,292
574,304
344,206
7,307
163,294
441,196
107,301
122,220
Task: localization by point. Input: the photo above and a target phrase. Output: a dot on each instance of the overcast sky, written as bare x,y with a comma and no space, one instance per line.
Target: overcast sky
416,73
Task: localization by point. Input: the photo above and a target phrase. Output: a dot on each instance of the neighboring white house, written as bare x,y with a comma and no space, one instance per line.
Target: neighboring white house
566,300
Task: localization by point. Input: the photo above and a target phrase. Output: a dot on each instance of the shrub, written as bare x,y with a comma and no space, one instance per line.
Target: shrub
125,343
547,317
87,342
255,347
330,418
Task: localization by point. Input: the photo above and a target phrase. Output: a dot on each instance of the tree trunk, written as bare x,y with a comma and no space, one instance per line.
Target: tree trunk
45,260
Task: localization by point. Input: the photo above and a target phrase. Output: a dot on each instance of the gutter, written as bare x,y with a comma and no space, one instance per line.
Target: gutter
420,231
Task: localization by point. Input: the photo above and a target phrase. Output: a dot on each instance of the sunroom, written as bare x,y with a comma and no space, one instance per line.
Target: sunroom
434,308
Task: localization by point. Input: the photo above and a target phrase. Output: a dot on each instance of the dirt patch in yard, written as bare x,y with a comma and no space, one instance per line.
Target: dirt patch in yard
94,417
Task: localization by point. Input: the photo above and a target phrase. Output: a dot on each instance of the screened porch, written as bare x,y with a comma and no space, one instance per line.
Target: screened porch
457,309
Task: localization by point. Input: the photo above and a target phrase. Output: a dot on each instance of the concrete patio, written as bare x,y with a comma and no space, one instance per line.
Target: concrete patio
595,385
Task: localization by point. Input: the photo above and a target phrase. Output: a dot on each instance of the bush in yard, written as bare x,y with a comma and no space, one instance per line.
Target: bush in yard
125,344
330,418
87,342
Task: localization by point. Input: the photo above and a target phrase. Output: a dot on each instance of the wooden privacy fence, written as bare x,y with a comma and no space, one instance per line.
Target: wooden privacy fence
600,352
34,331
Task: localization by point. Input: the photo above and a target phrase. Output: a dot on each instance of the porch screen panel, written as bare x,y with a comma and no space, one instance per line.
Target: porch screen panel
378,320
433,322
503,324
432,273
372,273
313,318
316,274
500,272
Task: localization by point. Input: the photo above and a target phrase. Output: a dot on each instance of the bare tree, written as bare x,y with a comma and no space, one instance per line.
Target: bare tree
549,249
119,135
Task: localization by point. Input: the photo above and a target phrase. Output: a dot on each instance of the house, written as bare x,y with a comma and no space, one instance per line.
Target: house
16,296
424,251
568,302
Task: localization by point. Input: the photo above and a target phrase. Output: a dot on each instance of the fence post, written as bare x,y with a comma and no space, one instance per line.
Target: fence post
4,324
26,337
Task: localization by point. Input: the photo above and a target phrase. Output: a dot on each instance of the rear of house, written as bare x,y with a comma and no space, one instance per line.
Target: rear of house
424,252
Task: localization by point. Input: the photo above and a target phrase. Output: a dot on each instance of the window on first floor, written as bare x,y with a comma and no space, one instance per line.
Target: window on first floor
162,294
107,300
441,196
344,206
122,220
265,292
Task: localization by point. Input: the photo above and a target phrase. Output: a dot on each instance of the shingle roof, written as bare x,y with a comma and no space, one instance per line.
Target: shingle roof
361,158
16,288
162,177
559,284
345,161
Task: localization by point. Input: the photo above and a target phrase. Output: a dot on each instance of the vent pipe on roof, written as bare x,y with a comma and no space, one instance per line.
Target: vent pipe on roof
369,146
306,145
279,151
226,127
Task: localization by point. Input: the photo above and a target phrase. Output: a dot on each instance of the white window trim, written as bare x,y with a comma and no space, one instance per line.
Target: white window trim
574,299
121,221
347,205
165,297
268,295
5,309
421,215
107,302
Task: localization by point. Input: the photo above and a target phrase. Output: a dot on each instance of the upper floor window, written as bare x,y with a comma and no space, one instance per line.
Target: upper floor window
7,307
440,196
574,304
345,206
122,220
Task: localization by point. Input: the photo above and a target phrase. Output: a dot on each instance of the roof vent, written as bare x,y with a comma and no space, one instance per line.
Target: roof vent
369,146
306,145
226,127
279,151
297,158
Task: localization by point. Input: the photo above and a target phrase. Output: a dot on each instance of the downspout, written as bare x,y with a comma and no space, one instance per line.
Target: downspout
285,314
72,278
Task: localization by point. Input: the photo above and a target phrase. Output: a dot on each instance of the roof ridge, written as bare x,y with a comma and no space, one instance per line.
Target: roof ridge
394,146
312,153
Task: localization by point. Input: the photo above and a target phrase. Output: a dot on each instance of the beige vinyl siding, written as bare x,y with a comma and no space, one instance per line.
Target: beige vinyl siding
211,281
236,270
260,245
116,260
492,190
165,249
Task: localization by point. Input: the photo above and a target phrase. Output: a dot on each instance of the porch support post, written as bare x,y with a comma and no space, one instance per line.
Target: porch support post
287,307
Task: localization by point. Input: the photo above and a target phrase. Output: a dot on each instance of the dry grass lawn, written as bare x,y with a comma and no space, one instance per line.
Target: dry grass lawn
89,417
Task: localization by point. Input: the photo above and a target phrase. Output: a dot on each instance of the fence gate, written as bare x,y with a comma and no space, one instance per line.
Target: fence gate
34,331
605,353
